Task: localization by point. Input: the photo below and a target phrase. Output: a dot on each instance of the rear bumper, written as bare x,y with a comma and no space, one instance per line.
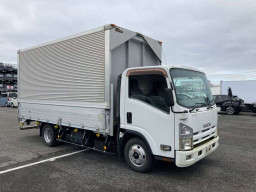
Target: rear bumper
187,158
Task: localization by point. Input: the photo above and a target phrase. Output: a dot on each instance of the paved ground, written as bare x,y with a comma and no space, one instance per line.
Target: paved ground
230,168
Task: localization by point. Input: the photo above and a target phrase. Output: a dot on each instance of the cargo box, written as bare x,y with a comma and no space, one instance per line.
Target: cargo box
68,81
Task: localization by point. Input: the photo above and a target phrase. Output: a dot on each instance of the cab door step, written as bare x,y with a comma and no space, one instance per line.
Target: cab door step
28,127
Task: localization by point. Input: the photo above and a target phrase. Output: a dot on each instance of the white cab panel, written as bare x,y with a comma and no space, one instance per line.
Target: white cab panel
155,125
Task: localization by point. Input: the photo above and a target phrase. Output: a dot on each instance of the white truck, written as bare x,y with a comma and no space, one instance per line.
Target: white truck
105,89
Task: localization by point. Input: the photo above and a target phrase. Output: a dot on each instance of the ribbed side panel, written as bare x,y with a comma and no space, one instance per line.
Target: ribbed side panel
70,70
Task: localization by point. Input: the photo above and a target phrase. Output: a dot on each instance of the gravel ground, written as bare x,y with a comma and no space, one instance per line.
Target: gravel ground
230,168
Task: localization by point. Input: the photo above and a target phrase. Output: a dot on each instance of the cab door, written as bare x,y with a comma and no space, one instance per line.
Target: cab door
145,109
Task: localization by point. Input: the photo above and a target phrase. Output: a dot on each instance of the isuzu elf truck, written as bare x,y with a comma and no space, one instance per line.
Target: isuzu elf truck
106,90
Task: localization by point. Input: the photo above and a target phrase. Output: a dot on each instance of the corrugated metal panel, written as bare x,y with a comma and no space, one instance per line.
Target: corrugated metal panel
70,70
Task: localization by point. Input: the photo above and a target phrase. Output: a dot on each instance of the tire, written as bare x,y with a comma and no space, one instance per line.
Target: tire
230,110
138,156
49,135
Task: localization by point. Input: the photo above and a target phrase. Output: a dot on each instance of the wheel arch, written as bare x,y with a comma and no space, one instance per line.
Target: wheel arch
41,126
129,134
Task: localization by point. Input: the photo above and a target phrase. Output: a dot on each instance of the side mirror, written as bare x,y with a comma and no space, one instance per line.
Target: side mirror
169,97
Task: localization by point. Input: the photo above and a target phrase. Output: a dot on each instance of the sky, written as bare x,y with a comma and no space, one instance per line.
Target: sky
215,36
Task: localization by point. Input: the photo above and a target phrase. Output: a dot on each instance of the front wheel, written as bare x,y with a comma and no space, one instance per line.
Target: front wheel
138,156
49,135
230,110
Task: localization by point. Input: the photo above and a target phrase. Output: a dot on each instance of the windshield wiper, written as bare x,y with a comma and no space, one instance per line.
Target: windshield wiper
210,104
196,106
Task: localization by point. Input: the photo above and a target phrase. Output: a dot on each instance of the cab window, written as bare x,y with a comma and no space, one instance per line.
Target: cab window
224,98
149,89
217,98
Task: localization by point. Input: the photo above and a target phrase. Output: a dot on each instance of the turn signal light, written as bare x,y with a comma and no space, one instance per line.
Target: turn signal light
165,148
167,159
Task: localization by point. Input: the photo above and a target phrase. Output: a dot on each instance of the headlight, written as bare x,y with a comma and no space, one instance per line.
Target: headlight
186,137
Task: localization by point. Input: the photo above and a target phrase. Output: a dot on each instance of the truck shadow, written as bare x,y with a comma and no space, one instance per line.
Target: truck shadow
161,168
164,168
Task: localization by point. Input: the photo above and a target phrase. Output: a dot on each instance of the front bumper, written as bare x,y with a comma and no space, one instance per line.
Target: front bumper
187,158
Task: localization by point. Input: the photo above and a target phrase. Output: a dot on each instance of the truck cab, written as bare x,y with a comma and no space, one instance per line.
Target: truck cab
172,110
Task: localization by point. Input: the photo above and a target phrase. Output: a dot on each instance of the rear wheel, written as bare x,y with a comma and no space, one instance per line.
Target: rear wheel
49,135
230,110
138,156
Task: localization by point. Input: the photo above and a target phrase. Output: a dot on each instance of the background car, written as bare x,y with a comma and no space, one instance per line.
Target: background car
231,105
10,96
254,107
3,99
13,102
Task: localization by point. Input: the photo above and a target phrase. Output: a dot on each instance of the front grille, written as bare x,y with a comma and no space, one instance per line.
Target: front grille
206,130
204,134
203,142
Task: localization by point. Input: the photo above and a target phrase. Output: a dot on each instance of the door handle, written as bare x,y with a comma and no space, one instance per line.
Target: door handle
129,117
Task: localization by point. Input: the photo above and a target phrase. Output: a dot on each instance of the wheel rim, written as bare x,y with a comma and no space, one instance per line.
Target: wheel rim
230,110
137,155
48,135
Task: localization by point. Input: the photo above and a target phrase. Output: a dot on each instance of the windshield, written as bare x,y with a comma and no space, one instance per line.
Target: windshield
11,95
191,87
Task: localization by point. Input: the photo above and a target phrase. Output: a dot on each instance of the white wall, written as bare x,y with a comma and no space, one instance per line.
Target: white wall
216,89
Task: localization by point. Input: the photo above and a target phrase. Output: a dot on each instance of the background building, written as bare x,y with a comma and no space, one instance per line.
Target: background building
8,77
245,89
216,89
